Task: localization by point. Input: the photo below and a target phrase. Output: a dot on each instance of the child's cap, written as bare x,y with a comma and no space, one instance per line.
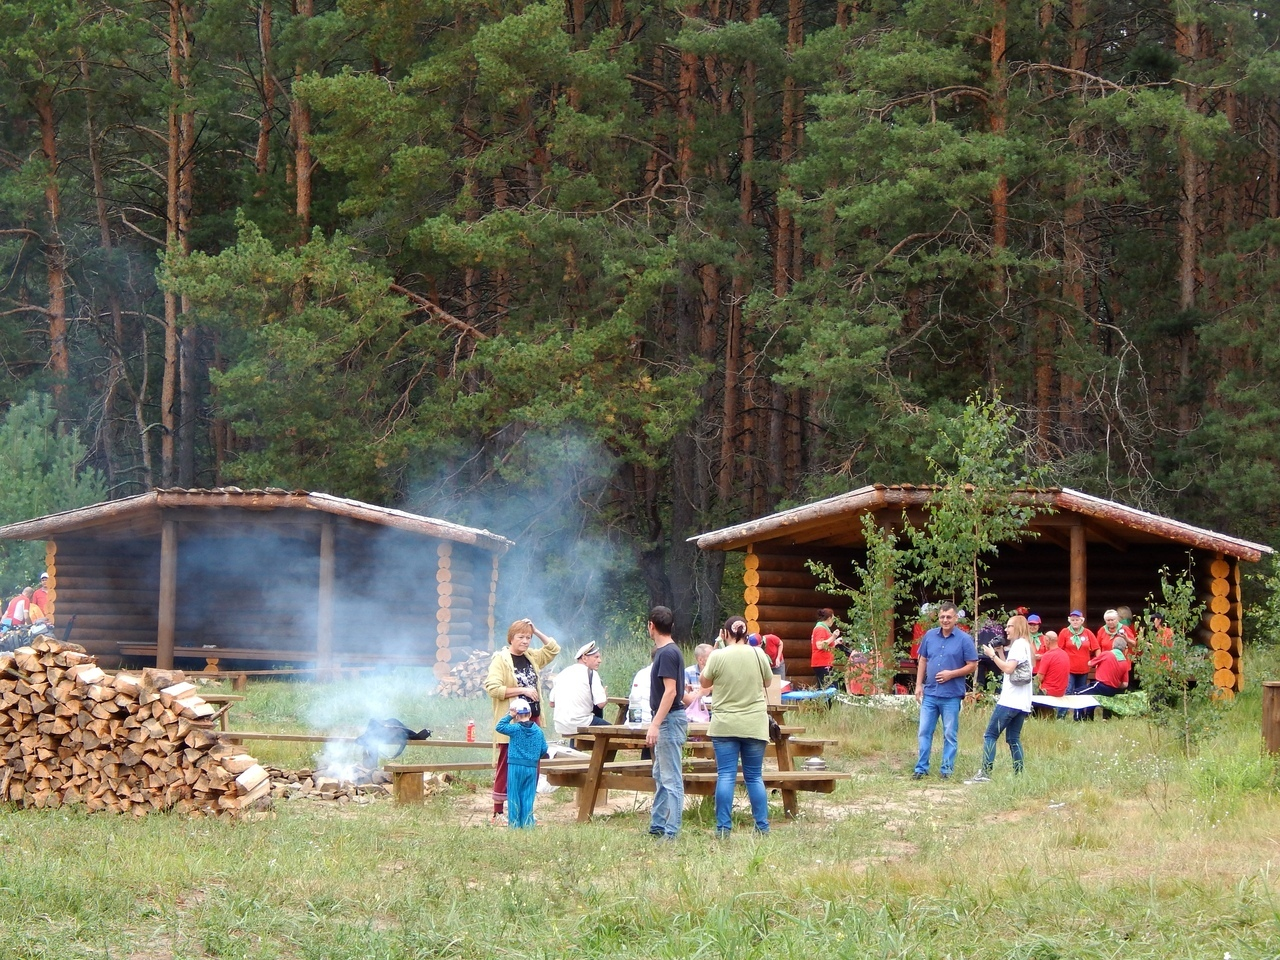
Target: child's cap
521,705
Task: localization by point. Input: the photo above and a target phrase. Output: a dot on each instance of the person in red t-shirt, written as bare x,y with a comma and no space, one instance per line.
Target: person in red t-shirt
1112,675
1080,645
773,650
1111,628
822,644
1053,668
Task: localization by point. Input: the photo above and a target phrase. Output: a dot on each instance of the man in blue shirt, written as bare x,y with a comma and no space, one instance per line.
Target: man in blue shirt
947,655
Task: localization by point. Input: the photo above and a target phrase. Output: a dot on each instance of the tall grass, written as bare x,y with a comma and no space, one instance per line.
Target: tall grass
1107,846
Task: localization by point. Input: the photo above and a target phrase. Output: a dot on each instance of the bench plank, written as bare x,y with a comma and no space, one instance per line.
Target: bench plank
237,736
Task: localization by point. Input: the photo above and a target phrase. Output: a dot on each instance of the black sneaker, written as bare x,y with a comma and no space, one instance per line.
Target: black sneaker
917,775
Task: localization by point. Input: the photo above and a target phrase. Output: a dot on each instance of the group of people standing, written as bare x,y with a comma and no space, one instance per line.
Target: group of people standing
31,607
738,672
1062,660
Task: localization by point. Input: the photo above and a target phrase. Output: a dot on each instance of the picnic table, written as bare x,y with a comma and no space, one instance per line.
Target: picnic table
604,772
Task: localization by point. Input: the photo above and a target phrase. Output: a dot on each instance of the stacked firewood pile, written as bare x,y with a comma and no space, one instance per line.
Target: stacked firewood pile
467,678
132,743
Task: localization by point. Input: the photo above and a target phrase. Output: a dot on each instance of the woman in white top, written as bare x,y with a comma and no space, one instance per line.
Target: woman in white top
1014,704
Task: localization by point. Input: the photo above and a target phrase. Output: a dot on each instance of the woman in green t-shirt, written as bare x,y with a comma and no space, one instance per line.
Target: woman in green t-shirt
738,676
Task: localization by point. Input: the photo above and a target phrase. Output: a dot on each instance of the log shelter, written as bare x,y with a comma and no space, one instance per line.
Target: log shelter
277,575
1086,553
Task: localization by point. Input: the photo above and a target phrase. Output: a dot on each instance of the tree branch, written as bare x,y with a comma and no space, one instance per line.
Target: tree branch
439,312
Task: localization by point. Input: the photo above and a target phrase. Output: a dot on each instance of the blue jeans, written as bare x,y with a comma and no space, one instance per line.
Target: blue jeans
1098,689
1008,721
931,708
1075,683
728,750
595,722
668,776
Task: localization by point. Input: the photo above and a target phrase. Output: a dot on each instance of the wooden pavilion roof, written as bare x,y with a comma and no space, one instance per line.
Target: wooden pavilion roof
143,515
836,522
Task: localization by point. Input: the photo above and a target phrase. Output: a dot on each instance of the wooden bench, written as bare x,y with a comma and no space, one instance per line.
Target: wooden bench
699,779
799,747
341,661
406,778
239,736
813,781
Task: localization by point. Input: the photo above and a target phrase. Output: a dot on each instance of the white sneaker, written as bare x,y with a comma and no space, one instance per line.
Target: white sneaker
979,777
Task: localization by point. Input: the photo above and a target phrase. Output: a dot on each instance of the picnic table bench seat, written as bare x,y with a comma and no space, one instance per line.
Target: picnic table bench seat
406,778
800,747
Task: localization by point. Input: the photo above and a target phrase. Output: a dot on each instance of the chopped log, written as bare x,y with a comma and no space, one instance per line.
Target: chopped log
250,778
87,674
238,764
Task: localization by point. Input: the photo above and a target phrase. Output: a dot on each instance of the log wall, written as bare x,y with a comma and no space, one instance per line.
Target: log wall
110,587
781,596
395,592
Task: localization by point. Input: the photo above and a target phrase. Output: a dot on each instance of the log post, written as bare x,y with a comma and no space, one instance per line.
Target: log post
1079,570
491,619
324,612
168,607
444,575
1271,715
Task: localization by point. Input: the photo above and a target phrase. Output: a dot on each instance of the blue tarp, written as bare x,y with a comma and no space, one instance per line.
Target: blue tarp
797,696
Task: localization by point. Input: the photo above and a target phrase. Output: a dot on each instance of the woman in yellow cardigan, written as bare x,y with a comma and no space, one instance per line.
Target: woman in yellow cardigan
513,672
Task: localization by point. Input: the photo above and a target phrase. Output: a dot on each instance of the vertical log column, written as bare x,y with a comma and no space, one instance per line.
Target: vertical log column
1079,570
491,620
324,610
1224,631
51,568
751,588
444,590
168,606
1271,715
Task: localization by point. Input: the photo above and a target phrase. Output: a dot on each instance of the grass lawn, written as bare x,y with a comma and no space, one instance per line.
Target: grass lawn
1111,845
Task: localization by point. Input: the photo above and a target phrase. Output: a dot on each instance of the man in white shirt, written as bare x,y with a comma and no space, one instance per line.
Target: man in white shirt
577,691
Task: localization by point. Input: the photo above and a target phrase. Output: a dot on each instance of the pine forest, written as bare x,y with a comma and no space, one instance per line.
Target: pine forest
676,265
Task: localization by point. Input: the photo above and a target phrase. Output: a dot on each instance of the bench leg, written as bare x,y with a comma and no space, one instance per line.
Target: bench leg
407,787
789,807
239,682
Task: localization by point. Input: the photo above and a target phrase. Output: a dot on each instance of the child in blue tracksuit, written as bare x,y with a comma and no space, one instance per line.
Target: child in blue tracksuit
528,744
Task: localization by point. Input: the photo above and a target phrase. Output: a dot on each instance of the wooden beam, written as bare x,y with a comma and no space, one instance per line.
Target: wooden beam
1100,534
168,603
1055,536
1079,570
324,613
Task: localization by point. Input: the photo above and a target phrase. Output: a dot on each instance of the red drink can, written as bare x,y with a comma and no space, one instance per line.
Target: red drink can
471,731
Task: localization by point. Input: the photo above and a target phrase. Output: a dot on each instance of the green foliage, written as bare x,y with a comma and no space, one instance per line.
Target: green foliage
42,471
882,585
976,507
1177,673
330,362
